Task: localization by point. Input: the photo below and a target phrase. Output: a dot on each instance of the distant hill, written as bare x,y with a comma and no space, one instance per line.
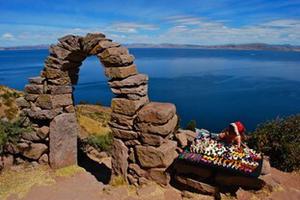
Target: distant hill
251,46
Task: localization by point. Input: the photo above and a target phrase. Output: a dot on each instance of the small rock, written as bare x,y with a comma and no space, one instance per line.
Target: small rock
135,169
182,139
119,158
159,175
34,89
266,167
131,81
35,151
31,136
36,80
151,139
70,109
44,159
43,132
124,134
22,102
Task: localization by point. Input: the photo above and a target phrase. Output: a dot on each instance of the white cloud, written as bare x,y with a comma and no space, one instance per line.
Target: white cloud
7,36
130,27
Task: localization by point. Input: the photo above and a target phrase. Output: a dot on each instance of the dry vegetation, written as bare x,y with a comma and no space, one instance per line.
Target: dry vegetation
8,106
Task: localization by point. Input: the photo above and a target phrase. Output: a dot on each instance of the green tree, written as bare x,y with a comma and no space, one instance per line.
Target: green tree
191,125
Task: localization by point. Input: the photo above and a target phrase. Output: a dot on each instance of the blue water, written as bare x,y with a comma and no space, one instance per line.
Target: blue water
214,87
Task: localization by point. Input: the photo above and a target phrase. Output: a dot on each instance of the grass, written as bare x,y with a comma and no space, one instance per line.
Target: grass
117,181
8,106
20,183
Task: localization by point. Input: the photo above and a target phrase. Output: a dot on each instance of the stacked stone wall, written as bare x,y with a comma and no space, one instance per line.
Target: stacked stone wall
142,146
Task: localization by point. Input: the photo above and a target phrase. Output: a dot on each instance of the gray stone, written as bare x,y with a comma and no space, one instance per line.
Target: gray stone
36,80
34,89
124,134
163,156
151,139
121,72
156,113
22,102
127,107
163,130
63,140
35,151
131,81
119,158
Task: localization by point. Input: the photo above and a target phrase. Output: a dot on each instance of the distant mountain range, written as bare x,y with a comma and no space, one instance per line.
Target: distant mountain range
252,46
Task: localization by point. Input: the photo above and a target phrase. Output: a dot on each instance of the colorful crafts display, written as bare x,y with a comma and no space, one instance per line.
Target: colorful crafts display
208,151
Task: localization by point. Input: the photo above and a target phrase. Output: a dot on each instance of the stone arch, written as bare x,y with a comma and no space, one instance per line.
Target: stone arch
142,129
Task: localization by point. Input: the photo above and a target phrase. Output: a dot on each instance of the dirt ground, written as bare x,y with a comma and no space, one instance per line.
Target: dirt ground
77,184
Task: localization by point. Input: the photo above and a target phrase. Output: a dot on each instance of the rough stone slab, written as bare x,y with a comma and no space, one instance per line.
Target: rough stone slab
190,135
53,73
188,169
241,181
30,136
65,89
44,114
91,40
31,97
203,188
44,101
163,156
22,102
61,81
131,81
34,89
123,120
70,42
124,134
69,109
36,80
35,151
182,139
127,107
64,54
43,132
60,100
156,113
159,175
141,90
63,140
163,130
151,139
102,45
119,158
135,169
120,72
131,143
57,63
114,51
117,60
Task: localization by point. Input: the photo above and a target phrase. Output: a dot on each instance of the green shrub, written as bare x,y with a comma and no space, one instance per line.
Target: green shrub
101,142
191,125
279,139
10,132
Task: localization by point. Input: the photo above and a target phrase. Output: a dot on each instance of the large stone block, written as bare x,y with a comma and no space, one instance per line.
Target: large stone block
114,51
34,89
151,139
124,134
44,114
102,45
203,188
64,54
141,90
56,63
163,156
70,42
131,81
159,175
44,101
51,73
65,89
157,113
163,130
61,100
127,107
121,121
91,40
63,140
119,158
120,72
35,151
36,80
117,60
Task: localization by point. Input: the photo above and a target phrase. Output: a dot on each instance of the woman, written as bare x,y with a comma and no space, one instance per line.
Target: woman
234,134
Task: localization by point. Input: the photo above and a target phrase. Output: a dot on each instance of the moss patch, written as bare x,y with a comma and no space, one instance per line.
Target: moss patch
68,171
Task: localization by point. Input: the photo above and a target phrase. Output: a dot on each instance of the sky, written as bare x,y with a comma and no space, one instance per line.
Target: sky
205,22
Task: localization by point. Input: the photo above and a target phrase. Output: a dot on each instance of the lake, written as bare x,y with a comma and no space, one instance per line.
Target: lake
213,87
